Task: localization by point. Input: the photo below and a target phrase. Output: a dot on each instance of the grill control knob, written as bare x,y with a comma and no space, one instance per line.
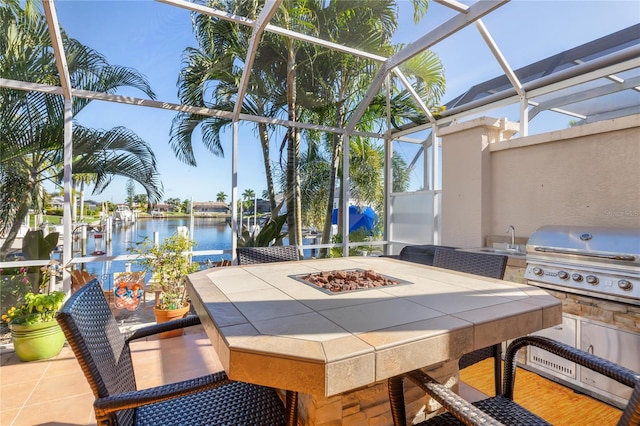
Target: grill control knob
625,285
563,275
576,277
592,279
538,271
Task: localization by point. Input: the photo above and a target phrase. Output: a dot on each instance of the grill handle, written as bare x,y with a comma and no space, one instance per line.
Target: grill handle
586,254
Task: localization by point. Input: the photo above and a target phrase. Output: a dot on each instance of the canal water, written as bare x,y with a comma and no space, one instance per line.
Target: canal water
209,234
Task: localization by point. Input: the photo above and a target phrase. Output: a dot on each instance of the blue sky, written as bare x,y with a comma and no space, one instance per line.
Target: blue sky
151,37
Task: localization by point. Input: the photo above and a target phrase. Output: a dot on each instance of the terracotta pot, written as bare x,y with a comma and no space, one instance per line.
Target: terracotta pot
37,341
169,315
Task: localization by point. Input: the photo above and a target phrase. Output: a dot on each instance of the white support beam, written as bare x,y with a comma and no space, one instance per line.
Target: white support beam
453,25
621,61
25,86
407,139
388,169
538,109
58,48
271,28
437,185
453,4
267,12
67,233
591,71
234,191
596,92
346,194
278,30
414,95
67,153
612,77
493,46
524,116
436,174
609,115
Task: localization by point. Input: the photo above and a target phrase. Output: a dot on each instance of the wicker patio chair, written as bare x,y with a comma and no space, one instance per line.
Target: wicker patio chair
105,358
422,253
486,265
502,409
249,255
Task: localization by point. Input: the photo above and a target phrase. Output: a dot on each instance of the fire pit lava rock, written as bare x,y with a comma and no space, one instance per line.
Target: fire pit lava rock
348,280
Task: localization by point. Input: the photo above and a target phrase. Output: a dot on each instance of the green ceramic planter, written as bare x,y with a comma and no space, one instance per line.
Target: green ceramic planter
37,341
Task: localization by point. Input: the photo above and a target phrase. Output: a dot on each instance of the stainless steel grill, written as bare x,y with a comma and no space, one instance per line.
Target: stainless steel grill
602,262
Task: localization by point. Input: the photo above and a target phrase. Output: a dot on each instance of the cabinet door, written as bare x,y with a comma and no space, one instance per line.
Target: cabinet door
618,346
565,333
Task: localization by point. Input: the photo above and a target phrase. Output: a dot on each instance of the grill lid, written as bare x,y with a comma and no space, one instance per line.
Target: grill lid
621,244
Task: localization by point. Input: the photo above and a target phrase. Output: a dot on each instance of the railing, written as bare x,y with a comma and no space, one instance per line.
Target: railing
106,278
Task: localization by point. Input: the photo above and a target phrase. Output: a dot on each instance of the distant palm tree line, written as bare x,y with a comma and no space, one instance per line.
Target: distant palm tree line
290,79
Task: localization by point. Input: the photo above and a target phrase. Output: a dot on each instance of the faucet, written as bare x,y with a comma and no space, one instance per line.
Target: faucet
513,245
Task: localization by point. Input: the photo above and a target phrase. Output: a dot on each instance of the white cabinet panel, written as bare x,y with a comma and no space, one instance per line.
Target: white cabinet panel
565,333
615,345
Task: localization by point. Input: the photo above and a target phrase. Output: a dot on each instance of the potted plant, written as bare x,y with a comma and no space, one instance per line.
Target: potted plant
169,263
34,329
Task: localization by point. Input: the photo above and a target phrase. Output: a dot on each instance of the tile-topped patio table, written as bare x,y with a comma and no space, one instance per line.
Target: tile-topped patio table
339,349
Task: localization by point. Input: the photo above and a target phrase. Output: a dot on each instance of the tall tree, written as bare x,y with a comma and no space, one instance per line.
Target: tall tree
340,81
82,179
248,196
175,203
289,77
131,192
32,131
221,197
210,78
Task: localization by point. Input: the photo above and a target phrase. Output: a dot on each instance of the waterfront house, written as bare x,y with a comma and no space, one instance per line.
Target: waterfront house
210,207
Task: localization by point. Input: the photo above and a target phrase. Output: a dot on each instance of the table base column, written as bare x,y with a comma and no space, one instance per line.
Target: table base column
369,405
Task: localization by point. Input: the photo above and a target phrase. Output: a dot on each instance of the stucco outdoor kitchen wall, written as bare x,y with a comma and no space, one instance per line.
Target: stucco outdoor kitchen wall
584,175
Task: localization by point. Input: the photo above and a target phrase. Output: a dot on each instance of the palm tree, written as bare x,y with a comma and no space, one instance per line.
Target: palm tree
32,131
400,173
222,49
339,80
287,75
82,179
343,79
221,197
248,196
314,175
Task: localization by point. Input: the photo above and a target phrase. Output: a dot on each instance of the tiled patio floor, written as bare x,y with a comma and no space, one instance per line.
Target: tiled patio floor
55,392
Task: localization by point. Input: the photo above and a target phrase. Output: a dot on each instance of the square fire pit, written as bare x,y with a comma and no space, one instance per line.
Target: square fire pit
347,280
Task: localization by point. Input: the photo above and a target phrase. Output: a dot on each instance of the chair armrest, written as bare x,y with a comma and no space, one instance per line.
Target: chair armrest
460,408
599,365
111,404
150,330
630,414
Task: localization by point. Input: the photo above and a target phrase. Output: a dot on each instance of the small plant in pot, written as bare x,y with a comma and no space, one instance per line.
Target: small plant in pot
34,329
169,264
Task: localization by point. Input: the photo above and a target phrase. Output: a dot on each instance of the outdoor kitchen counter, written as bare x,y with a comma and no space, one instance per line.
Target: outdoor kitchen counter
271,329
